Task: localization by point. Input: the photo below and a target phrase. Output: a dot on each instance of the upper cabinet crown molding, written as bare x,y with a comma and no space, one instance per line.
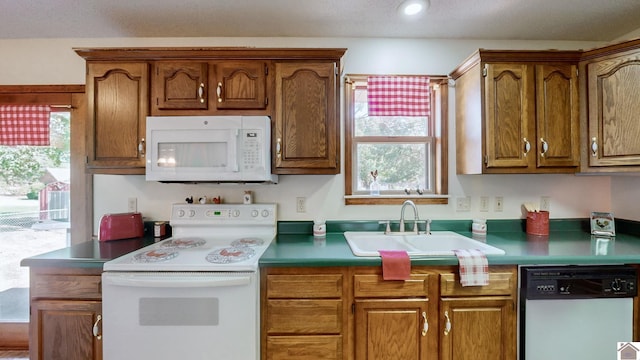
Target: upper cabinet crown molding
207,53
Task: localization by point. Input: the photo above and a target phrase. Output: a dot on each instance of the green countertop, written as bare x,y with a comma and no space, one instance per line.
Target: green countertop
569,243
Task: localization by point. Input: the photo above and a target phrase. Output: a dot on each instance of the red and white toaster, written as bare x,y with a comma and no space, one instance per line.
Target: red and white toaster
121,226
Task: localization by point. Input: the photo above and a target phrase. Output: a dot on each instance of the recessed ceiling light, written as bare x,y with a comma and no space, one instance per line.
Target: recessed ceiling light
413,7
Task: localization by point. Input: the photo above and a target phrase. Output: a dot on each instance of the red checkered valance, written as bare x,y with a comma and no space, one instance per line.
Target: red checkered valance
398,95
24,125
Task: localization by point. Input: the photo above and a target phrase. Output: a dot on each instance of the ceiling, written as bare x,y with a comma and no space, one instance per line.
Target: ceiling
579,20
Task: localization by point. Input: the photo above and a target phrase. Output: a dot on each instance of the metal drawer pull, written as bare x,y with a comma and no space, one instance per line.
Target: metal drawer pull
594,146
447,325
141,147
279,148
96,331
201,93
527,146
219,91
545,147
425,326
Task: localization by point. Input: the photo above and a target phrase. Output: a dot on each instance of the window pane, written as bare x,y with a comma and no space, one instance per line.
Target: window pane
399,166
385,126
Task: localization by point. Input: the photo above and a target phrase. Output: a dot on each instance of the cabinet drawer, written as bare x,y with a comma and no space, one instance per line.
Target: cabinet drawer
500,283
66,286
375,286
304,286
327,347
304,316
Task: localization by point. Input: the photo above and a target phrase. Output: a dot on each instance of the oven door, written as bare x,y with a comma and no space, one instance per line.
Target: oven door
175,315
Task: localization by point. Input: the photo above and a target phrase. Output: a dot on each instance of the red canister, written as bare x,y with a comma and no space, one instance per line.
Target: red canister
538,223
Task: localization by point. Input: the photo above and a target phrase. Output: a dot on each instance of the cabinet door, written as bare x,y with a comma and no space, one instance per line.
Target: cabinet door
392,329
306,126
614,129
477,328
509,116
241,85
557,116
180,85
63,330
117,102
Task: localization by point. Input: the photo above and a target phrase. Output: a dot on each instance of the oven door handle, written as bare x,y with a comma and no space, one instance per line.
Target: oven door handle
176,282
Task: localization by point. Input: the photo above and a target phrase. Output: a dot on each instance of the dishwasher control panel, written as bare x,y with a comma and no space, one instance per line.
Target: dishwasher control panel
589,281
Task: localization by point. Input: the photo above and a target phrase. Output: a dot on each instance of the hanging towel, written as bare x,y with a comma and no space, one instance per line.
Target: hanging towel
474,267
396,264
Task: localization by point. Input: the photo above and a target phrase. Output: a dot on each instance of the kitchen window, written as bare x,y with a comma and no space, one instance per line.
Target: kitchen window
389,159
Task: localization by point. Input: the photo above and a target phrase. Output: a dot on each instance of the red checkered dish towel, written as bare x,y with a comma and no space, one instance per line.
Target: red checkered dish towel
24,125
474,267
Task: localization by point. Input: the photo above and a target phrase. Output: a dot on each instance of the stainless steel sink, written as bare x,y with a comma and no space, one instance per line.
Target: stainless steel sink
438,243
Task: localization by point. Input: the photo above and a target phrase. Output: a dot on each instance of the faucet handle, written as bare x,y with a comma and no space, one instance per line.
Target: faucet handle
387,229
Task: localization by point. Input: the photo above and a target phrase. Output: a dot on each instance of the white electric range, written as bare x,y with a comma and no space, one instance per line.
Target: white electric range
194,294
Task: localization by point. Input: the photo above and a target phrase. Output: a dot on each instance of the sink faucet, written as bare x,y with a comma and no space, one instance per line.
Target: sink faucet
415,212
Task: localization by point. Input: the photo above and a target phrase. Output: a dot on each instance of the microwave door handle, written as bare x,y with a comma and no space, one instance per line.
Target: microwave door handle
175,282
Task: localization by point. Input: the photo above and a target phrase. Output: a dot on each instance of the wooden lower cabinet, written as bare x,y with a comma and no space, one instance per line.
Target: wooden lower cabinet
391,329
66,313
477,328
353,313
65,329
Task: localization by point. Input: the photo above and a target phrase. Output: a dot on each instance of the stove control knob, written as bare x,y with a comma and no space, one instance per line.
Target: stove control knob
180,213
616,285
236,213
192,213
265,213
254,213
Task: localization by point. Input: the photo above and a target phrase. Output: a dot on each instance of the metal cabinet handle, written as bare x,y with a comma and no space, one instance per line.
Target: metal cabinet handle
96,330
425,326
594,146
201,93
545,147
527,146
219,92
279,148
447,325
141,145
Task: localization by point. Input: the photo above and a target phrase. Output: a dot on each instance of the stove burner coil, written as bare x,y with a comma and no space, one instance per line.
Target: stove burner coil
183,243
154,256
230,255
247,242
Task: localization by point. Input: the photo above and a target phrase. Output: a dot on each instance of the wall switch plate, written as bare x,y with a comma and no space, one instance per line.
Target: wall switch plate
463,203
545,203
301,204
132,204
484,203
499,204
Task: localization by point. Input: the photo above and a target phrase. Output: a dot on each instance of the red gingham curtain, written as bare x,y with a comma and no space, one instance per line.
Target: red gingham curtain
24,125
398,95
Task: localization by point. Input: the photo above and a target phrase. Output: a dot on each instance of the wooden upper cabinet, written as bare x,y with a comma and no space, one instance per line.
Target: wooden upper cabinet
307,133
241,85
611,109
117,104
517,112
180,85
209,88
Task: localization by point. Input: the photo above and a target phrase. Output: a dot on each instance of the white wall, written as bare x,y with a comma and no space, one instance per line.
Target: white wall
571,196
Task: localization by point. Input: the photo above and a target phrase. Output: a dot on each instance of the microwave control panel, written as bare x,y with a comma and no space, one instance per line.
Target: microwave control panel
251,147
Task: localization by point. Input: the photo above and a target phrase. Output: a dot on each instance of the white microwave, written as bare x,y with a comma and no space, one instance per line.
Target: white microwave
209,149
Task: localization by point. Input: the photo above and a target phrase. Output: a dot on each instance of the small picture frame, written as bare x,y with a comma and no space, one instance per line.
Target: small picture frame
603,223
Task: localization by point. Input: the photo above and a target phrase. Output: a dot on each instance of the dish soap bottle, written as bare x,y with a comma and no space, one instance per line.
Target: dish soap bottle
374,187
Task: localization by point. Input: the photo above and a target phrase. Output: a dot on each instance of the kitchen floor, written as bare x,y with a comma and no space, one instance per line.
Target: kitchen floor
14,354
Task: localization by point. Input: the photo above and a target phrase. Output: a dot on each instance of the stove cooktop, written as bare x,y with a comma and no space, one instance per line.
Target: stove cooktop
210,237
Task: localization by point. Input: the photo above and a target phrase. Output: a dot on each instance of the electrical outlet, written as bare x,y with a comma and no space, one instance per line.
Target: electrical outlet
484,203
463,203
545,203
301,204
132,204
499,204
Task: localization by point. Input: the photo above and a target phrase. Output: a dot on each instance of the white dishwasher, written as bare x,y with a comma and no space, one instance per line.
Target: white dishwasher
575,312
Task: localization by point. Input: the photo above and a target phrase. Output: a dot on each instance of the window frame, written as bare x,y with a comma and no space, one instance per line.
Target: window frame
439,127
